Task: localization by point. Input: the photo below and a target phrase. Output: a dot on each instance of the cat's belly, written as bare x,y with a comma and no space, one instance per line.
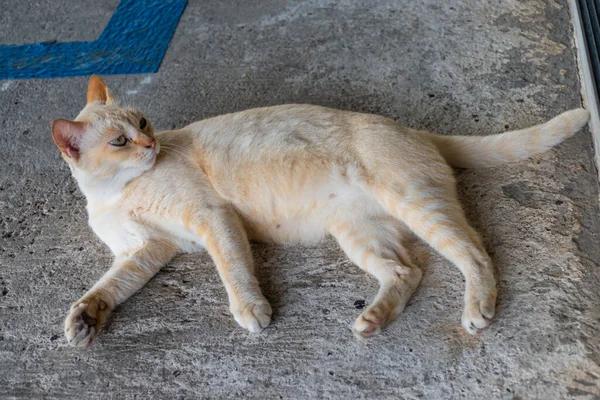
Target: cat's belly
308,229
304,217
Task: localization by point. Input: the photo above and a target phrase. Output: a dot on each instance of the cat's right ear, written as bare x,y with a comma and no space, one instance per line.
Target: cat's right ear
97,91
67,135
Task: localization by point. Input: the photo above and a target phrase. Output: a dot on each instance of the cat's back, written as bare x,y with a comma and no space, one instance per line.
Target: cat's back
277,131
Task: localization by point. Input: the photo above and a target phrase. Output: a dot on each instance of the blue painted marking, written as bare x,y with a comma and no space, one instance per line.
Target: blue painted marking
134,42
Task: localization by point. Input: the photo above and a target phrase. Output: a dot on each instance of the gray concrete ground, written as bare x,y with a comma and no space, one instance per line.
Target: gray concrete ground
458,67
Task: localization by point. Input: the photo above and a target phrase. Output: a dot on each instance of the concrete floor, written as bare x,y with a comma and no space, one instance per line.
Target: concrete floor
470,67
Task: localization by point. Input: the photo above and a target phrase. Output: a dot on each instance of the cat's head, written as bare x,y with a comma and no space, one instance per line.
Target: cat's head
106,141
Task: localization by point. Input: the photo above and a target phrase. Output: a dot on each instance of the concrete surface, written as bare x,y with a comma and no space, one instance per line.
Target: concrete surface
469,67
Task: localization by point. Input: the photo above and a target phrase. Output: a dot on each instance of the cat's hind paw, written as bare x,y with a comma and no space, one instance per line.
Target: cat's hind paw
84,321
371,321
254,317
478,314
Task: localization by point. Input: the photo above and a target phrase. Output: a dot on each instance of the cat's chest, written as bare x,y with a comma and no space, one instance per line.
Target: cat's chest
121,234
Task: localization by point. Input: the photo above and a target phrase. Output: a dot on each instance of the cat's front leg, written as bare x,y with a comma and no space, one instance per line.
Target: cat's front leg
227,243
127,275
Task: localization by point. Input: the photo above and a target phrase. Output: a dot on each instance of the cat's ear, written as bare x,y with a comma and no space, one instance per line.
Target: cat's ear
67,136
97,91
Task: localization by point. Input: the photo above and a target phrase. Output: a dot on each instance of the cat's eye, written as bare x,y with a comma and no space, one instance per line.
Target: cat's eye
143,123
120,141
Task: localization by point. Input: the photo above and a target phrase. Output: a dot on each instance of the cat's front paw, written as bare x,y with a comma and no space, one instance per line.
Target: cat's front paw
85,320
479,311
254,317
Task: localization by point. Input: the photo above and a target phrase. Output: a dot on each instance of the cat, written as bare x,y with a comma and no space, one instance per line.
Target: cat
284,174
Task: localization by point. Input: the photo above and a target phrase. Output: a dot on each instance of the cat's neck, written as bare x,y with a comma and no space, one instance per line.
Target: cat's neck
101,190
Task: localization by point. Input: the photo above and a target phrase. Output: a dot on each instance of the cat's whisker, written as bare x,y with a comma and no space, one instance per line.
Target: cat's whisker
173,146
162,148
176,152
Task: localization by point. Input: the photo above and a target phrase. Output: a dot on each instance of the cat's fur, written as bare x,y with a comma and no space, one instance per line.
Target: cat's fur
286,174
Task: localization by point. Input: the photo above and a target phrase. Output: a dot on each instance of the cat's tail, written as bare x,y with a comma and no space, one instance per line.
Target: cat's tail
492,150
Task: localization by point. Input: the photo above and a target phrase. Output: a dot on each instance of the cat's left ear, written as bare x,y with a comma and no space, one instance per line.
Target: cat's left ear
97,91
67,135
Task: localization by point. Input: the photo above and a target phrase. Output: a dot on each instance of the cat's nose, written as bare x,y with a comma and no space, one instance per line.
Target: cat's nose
151,144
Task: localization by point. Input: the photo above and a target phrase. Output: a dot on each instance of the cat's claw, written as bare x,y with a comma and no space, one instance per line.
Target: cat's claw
254,317
478,314
84,321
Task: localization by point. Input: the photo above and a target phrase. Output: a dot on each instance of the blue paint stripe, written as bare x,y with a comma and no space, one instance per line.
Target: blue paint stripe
134,41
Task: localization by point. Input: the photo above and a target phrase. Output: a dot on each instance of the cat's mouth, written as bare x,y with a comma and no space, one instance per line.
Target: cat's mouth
149,158
152,157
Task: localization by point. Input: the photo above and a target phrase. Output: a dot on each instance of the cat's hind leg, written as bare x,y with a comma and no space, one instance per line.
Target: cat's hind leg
373,242
429,206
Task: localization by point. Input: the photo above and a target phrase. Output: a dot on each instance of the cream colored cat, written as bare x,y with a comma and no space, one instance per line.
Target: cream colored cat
285,174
